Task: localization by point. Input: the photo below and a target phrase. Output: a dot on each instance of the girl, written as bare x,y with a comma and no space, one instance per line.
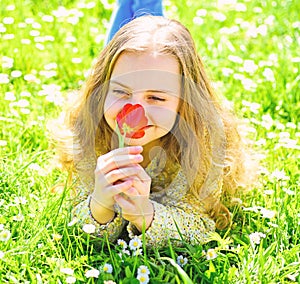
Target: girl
170,182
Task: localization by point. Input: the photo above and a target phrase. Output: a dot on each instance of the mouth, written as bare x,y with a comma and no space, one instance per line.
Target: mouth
146,127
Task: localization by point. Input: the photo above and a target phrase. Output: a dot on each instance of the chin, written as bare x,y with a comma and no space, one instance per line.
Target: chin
136,142
151,135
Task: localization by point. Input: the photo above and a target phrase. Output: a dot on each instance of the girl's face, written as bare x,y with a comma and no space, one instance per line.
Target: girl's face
150,80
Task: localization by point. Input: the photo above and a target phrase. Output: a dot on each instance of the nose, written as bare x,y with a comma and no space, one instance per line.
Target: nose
137,97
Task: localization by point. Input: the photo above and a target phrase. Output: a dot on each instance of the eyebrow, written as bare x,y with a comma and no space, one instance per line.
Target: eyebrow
150,90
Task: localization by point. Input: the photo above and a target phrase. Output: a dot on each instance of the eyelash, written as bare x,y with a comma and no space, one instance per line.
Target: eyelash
120,92
124,93
157,99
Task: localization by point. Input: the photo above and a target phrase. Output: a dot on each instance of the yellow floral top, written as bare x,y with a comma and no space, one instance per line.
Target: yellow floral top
177,213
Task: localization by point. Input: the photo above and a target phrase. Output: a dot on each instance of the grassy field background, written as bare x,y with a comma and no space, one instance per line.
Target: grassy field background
251,50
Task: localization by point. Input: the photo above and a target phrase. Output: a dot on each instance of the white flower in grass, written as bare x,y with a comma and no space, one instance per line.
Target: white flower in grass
73,222
56,237
7,62
269,214
8,20
124,252
1,227
31,78
137,252
269,192
211,254
67,270
109,282
4,78
10,7
2,254
18,218
50,66
279,175
89,228
76,60
2,28
34,33
181,261
143,278
92,273
269,74
25,41
135,243
8,36
249,66
29,21
240,7
22,25
256,237
10,96
122,244
107,268
25,94
143,269
267,121
293,277
48,18
16,74
20,200
219,16
70,279
273,225
5,235
288,191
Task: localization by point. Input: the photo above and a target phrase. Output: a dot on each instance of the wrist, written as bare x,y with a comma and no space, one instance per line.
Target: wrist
143,223
101,214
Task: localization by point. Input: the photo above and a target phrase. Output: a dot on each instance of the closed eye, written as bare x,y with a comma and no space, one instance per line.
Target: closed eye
120,92
155,98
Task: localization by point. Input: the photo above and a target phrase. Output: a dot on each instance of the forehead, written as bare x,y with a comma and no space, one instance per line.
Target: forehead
147,71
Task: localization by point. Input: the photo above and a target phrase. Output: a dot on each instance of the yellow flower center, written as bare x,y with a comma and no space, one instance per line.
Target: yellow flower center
126,128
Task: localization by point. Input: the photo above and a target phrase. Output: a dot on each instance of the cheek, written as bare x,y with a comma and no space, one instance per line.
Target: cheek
110,112
163,118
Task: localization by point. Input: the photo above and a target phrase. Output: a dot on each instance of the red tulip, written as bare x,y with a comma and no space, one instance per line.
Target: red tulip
132,121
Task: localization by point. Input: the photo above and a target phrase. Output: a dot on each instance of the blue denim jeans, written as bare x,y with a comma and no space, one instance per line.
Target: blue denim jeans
127,10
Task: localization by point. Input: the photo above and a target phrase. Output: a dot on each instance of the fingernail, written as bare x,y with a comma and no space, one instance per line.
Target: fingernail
139,158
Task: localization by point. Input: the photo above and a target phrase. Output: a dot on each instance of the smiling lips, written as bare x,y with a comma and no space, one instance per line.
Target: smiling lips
132,121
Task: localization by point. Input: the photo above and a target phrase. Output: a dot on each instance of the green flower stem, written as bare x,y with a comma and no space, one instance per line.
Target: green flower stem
120,136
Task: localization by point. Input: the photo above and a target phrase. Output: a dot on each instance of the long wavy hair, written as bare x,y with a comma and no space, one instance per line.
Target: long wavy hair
204,140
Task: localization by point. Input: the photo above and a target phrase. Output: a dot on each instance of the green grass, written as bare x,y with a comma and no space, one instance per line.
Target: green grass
39,240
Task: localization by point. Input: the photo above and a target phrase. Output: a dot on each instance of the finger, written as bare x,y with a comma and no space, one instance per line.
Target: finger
117,161
141,188
131,192
141,174
118,188
125,203
120,175
123,151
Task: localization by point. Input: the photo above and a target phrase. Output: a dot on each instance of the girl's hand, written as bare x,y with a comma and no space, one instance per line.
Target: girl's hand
112,177
135,203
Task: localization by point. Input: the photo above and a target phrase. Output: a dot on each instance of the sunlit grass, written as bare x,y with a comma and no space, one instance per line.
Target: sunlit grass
251,50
